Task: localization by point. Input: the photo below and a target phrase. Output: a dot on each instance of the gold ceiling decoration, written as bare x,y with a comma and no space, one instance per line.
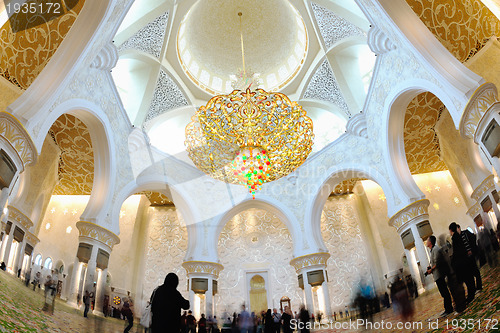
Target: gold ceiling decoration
250,136
27,47
420,140
347,186
76,163
157,199
462,26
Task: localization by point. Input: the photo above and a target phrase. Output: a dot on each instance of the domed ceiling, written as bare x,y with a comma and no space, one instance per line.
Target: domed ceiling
209,42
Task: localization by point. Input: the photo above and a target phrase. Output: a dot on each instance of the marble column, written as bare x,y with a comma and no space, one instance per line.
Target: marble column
205,270
74,283
8,245
409,219
18,263
100,238
309,263
495,209
100,292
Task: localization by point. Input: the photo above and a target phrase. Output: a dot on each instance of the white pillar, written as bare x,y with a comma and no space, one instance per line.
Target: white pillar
412,264
100,292
209,298
191,295
4,196
91,272
8,245
18,263
326,295
421,250
495,209
74,283
308,293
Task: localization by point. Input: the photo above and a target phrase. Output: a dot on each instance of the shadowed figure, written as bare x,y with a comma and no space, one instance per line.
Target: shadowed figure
166,306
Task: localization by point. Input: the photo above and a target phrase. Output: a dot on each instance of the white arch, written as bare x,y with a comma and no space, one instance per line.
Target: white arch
160,184
102,137
393,129
61,68
333,177
263,202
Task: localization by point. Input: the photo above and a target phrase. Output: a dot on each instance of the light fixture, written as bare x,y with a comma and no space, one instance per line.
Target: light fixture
250,136
47,226
68,230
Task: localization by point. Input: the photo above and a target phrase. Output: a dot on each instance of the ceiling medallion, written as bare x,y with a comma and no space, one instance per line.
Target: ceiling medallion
250,136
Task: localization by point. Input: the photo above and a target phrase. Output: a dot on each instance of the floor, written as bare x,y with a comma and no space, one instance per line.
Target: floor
21,312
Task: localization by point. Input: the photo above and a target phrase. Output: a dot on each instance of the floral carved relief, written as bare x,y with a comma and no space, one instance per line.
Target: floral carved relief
463,27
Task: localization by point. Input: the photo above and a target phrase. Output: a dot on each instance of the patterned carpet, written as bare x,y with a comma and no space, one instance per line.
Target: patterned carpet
20,311
483,311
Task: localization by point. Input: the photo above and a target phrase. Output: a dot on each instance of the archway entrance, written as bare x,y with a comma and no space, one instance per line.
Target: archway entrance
258,294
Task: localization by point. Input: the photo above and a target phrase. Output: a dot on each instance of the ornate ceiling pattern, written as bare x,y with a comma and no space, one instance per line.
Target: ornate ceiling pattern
167,96
76,162
463,27
420,140
157,199
333,28
24,54
148,39
346,187
324,86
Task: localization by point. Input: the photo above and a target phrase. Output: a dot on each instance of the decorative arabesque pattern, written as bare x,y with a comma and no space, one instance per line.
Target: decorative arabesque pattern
157,199
421,143
149,39
462,26
25,53
76,162
324,86
167,96
333,28
166,247
255,237
348,261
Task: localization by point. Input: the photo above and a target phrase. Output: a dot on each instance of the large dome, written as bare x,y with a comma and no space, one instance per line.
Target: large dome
209,45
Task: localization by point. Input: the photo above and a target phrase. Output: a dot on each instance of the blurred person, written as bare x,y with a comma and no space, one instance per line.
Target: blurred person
277,320
166,305
268,322
286,317
440,270
202,324
191,322
304,318
127,314
486,247
494,241
184,327
86,302
463,260
244,322
401,299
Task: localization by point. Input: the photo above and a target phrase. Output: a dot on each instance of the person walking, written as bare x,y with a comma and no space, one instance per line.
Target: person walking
440,270
166,305
128,314
287,320
86,302
461,260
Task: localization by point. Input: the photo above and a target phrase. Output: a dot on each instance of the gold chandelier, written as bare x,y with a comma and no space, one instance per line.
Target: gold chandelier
250,136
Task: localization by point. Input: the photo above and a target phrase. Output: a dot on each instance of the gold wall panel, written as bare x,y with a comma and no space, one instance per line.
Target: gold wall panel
347,186
24,54
420,139
157,199
76,164
462,26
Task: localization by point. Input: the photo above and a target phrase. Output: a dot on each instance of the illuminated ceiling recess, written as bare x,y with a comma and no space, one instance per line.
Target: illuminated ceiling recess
208,43
250,136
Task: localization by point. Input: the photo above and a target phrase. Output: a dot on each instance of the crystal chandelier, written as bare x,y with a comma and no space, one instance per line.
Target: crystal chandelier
250,136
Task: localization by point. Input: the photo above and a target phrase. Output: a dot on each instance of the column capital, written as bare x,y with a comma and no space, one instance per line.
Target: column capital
487,185
474,210
203,267
92,232
479,103
414,212
310,260
3,225
16,134
17,216
31,238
